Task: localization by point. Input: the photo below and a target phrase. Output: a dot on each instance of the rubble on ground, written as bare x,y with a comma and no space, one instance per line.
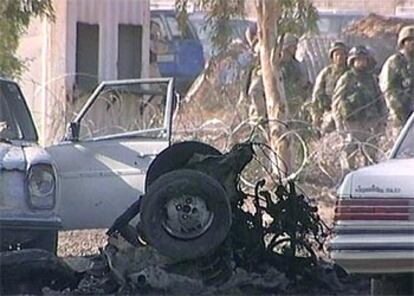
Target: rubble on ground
377,26
272,255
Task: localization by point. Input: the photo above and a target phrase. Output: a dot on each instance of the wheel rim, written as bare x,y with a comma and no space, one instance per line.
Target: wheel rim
187,217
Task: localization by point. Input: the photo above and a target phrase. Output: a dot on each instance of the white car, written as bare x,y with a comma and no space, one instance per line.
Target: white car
374,219
93,175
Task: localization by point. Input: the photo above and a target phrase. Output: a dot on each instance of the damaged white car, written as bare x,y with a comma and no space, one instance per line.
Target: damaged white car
374,230
88,179
28,216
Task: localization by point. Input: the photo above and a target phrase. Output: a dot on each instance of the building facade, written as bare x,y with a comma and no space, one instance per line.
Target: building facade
89,41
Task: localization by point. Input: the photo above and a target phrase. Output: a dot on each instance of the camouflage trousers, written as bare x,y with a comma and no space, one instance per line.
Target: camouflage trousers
394,126
361,143
323,123
258,102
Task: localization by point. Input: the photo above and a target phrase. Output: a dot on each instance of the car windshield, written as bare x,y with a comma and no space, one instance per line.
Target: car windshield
406,148
15,120
183,32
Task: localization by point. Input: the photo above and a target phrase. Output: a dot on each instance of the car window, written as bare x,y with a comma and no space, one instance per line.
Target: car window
123,108
15,120
406,148
184,32
157,29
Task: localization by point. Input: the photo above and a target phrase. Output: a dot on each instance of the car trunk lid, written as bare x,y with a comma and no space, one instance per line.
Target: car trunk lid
392,179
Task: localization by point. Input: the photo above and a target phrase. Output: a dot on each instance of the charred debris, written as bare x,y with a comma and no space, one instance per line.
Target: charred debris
197,230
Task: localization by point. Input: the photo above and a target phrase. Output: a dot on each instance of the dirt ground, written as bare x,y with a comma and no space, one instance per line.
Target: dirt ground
81,242
377,26
88,242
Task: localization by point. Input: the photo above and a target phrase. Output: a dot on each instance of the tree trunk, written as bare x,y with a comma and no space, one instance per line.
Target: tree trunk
268,13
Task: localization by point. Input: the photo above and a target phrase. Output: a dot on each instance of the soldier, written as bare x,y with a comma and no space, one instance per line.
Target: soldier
325,84
357,105
254,84
158,45
295,79
397,79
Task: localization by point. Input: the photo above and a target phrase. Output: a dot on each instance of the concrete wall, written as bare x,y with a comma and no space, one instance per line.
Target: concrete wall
30,50
50,51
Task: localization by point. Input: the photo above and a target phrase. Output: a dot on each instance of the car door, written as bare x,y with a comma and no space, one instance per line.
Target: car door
102,162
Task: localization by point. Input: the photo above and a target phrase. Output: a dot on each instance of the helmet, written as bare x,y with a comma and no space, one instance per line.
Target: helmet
337,45
289,40
357,51
405,32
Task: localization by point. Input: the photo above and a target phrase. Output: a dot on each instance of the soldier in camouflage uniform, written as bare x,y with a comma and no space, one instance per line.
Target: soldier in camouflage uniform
397,79
255,89
325,84
358,106
295,78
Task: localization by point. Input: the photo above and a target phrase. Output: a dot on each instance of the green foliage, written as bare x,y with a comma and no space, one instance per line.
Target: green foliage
15,17
298,17
219,12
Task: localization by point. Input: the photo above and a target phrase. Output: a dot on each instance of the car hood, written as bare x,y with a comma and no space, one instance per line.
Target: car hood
12,157
392,178
17,157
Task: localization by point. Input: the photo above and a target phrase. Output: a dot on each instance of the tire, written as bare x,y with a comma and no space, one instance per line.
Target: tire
399,284
175,157
165,205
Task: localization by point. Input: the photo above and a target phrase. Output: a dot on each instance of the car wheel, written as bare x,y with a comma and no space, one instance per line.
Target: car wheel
185,214
175,157
400,284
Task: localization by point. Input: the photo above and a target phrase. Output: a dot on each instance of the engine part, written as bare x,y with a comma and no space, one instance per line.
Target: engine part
216,269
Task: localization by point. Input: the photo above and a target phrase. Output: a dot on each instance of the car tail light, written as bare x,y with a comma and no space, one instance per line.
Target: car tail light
374,209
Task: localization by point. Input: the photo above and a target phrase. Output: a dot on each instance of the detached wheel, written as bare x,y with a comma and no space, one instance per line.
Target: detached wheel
185,214
175,157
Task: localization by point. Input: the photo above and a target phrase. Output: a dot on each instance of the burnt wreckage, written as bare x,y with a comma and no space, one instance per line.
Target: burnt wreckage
192,215
188,209
191,230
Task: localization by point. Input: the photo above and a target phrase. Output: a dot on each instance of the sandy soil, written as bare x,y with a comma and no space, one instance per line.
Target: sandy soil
81,242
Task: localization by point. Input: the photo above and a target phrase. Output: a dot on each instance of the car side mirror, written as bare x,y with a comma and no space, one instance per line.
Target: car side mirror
72,133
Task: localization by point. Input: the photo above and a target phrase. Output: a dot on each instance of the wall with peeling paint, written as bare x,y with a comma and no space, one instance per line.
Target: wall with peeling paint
50,51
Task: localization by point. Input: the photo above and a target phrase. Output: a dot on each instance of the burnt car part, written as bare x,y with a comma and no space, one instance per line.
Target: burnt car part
185,214
17,238
219,174
28,271
175,157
